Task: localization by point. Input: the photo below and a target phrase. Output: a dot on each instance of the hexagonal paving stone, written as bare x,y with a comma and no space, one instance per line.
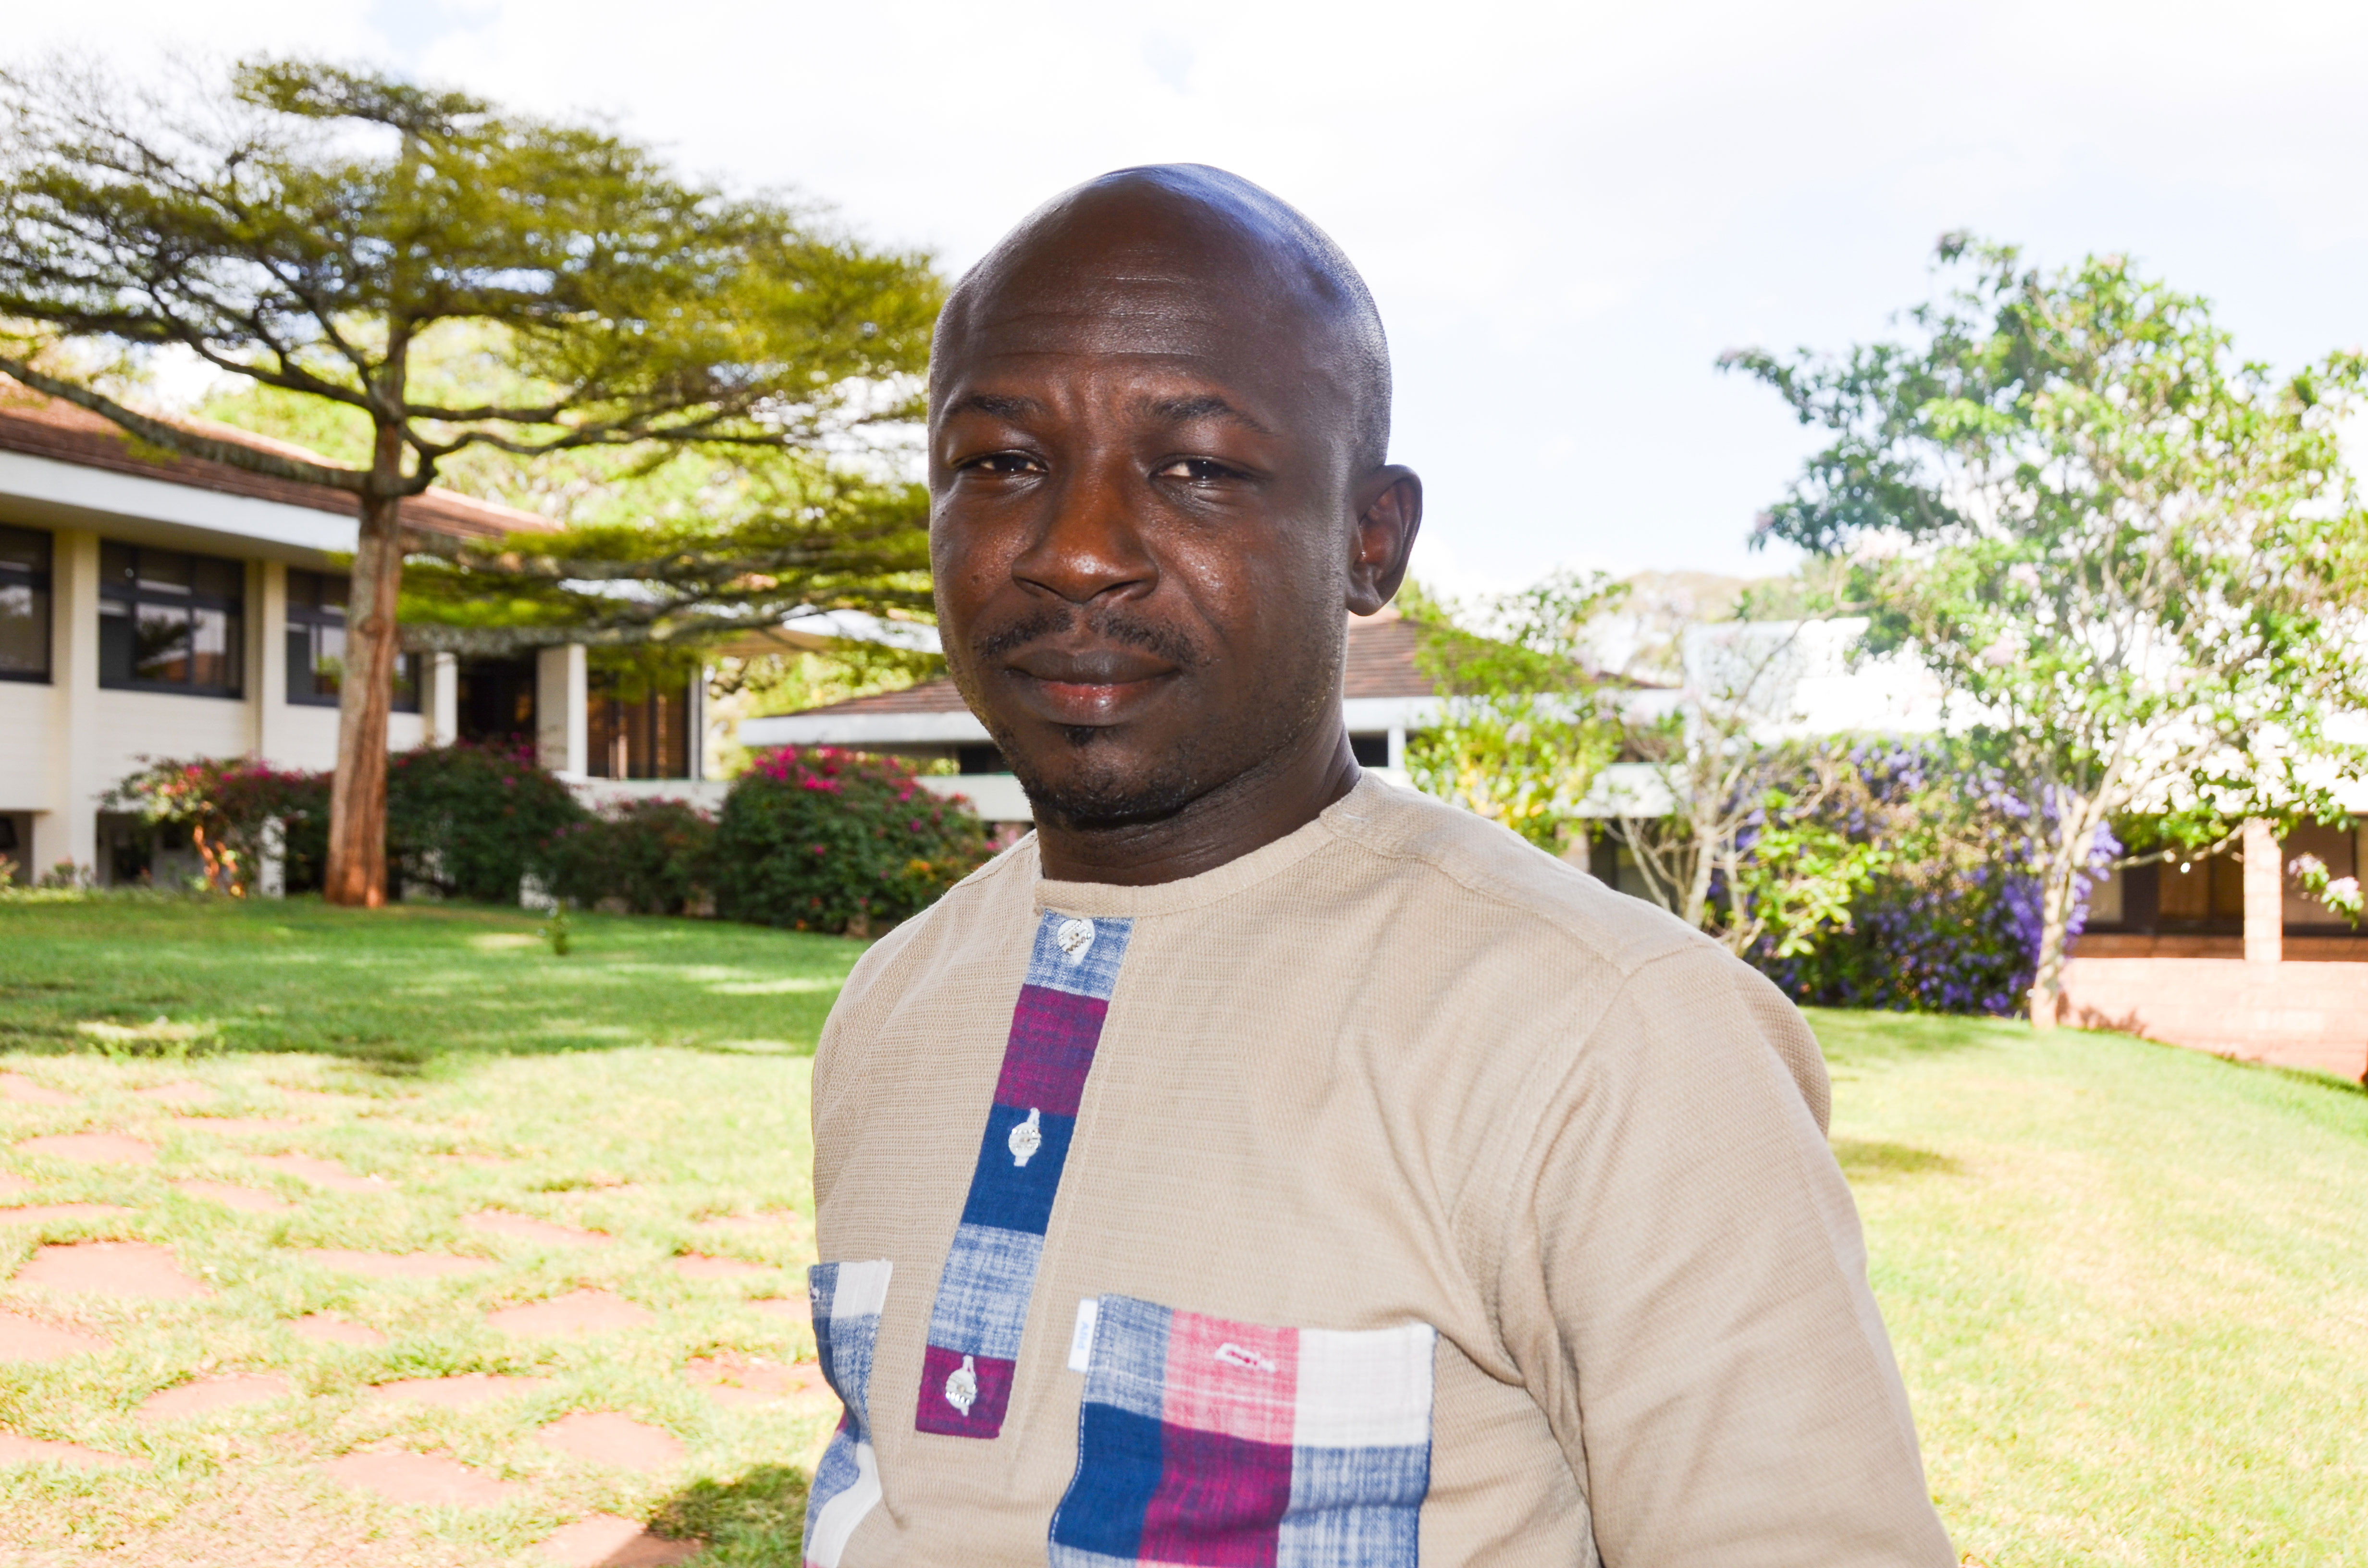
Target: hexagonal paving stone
578,1312
92,1148
36,1450
24,1091
606,1437
421,1478
29,1339
112,1268
605,1540
735,1380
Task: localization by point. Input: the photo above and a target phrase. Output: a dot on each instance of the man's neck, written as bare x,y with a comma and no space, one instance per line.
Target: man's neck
1243,814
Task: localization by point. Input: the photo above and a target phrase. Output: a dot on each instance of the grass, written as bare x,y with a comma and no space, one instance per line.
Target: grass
400,987
2128,1285
654,1078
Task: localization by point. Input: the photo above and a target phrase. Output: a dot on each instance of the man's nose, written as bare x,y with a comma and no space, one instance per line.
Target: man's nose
1089,543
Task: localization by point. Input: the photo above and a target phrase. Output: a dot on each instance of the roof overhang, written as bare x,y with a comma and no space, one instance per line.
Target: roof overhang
48,492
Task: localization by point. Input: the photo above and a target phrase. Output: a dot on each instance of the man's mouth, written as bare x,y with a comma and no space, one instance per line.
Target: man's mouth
1086,687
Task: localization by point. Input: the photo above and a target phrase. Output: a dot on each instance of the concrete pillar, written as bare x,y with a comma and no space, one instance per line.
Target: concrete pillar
267,659
69,829
440,704
2264,894
694,720
562,696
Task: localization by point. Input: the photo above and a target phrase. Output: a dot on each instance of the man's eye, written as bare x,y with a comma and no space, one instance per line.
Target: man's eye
1002,462
1195,471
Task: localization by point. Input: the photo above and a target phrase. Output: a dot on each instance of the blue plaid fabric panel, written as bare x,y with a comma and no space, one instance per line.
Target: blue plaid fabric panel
1077,955
847,1299
1351,1507
981,1307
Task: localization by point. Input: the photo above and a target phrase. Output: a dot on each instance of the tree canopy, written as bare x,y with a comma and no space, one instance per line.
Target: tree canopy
319,230
2132,561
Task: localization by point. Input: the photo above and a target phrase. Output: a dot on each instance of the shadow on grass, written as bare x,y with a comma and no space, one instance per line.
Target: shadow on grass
1863,1160
756,1517
392,990
1853,1039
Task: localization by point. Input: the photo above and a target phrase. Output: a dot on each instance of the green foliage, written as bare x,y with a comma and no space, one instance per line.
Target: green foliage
1526,730
423,287
653,857
2132,564
827,840
227,804
473,821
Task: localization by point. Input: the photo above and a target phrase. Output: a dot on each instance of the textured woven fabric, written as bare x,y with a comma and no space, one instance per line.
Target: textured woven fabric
1396,1073
990,1270
1208,1441
847,1299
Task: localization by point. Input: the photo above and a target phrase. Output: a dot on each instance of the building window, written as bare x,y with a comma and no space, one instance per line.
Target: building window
637,728
170,621
23,605
316,644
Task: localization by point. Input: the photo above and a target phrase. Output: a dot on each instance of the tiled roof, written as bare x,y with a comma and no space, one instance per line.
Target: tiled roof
47,427
1380,663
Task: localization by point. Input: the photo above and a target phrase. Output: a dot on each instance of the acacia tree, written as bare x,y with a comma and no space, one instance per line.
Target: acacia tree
2131,562
312,229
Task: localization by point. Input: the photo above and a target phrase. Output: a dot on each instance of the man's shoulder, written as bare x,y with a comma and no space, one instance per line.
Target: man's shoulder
1491,877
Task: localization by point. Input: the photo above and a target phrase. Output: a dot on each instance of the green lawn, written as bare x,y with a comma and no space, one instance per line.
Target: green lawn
2128,1285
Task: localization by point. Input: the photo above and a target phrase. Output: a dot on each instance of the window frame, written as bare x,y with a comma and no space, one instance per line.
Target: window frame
310,618
133,597
42,582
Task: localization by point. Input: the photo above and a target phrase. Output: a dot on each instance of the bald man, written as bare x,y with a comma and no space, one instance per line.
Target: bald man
1261,1164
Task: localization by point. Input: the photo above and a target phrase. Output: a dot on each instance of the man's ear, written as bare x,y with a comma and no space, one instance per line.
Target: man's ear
1389,516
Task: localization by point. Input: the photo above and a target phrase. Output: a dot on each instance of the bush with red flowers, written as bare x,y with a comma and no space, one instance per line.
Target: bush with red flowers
826,840
472,820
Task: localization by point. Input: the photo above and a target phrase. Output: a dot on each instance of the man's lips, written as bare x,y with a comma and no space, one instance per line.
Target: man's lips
1089,687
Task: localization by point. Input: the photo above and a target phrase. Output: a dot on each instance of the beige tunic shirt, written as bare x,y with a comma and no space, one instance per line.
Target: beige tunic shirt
1397,1072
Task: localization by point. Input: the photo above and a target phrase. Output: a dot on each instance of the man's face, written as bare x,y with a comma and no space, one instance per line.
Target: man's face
1141,522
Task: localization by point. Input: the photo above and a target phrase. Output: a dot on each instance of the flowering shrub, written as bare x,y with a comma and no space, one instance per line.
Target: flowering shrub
472,821
827,840
653,857
1951,924
226,805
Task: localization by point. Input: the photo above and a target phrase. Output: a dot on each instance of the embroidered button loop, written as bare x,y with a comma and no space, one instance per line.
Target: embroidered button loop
1027,1137
961,1387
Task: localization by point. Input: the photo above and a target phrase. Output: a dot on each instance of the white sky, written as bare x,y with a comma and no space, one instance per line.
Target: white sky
1566,212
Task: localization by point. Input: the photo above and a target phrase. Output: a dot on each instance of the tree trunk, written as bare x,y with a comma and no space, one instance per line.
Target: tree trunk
2068,862
357,867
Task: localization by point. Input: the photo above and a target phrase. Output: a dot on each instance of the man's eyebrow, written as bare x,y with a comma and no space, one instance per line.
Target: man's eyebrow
1001,405
1207,405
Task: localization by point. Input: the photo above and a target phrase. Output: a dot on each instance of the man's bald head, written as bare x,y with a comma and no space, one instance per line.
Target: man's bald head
1130,243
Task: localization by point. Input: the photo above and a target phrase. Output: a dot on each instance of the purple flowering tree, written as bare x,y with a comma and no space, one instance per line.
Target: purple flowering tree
2133,563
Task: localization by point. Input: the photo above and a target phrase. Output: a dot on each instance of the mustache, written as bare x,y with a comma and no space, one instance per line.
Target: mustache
1108,626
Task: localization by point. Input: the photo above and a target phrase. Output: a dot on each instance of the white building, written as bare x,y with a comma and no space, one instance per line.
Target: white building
1385,696
153,605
